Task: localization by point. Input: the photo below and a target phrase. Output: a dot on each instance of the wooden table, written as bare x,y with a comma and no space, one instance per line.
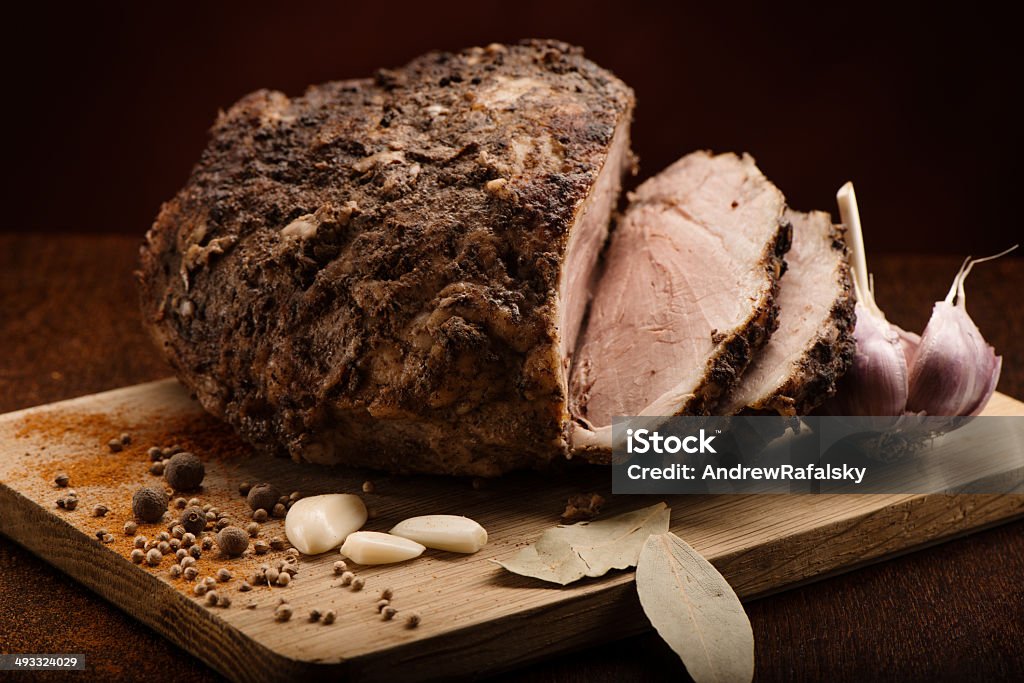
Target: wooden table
69,326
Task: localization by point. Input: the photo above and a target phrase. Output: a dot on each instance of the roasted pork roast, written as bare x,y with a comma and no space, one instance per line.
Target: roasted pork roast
414,273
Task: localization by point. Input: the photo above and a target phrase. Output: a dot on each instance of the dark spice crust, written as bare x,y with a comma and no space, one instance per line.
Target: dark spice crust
735,352
830,356
405,319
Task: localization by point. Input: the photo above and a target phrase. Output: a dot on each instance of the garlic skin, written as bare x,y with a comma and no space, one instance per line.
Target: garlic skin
375,547
317,524
955,371
878,381
443,532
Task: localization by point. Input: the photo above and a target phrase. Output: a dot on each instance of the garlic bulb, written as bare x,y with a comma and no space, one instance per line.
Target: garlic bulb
954,370
877,383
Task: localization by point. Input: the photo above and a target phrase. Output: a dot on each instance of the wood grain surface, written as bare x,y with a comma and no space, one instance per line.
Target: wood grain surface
74,322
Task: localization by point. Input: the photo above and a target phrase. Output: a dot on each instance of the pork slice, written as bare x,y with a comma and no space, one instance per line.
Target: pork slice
391,272
687,295
813,346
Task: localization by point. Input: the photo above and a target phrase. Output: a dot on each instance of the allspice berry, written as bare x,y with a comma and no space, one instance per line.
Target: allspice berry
232,541
184,471
193,519
263,497
149,504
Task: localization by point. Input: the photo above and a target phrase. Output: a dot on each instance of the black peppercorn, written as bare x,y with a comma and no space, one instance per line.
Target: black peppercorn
193,519
263,497
149,504
232,541
184,471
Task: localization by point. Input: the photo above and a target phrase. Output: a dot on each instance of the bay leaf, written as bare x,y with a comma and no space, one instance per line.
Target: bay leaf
564,554
695,611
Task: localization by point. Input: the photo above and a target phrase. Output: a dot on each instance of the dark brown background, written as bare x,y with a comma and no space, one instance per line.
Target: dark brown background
108,104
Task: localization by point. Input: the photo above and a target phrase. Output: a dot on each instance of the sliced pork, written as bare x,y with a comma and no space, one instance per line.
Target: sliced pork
687,295
813,346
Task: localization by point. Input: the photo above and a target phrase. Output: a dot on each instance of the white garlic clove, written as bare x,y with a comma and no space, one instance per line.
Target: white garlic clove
319,523
374,547
443,532
955,370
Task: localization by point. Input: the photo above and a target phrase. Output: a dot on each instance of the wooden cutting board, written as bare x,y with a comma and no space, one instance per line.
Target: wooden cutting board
475,616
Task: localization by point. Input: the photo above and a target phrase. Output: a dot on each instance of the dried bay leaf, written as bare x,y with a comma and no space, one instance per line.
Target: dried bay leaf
565,554
695,611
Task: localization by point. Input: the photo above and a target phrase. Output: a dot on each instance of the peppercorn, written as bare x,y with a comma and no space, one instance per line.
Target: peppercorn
175,571
357,584
387,594
70,503
328,617
283,500
199,589
413,620
163,536
277,543
193,520
184,471
207,542
244,487
245,587
61,480
259,516
101,533
388,613
138,556
283,579
100,510
253,529
340,566
223,575
381,604
210,581
115,445
194,552
262,497
173,450
126,438
314,615
140,541
155,453
368,486
149,504
190,573
211,598
153,557
211,516
224,601
279,510
232,541
180,554
164,547
346,578
157,468
271,575
180,503
283,612
194,502
222,523
130,528
187,561
187,540
261,547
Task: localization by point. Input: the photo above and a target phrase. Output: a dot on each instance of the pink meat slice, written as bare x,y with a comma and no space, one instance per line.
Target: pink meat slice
687,296
813,345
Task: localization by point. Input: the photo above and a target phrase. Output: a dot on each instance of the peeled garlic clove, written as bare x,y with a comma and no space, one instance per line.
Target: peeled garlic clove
319,523
443,532
374,547
955,371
